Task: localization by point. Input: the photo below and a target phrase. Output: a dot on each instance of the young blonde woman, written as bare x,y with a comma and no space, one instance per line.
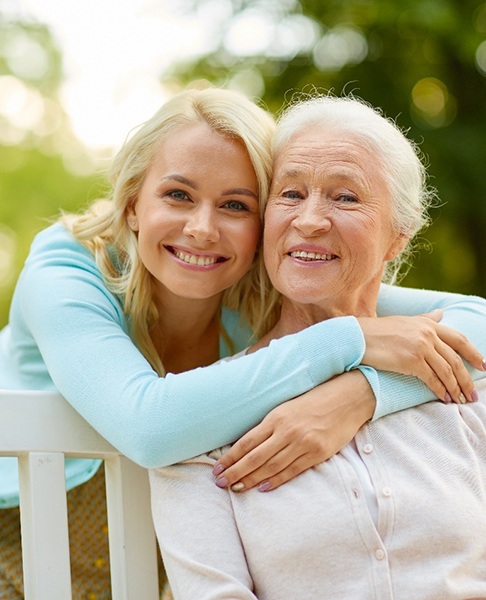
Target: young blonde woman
122,309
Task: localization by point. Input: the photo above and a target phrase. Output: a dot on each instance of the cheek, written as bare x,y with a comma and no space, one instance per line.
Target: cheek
247,237
275,225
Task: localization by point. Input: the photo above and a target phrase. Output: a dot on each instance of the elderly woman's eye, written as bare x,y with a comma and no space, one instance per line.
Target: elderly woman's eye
292,195
347,198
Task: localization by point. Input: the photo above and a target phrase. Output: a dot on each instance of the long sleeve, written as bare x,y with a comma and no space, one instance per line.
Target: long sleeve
197,533
68,332
466,314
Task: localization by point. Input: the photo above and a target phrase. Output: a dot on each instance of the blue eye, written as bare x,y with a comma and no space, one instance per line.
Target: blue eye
236,205
347,198
178,195
292,195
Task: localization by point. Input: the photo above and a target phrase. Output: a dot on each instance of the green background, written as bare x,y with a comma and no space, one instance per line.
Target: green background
423,62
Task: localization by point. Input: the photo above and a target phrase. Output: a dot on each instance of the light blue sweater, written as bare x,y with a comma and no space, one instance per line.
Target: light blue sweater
67,332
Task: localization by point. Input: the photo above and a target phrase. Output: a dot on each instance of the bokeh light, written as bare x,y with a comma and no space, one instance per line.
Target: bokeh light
432,104
340,46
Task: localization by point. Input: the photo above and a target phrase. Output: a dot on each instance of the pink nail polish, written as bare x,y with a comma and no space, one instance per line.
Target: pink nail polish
218,469
484,364
447,398
474,395
264,486
222,482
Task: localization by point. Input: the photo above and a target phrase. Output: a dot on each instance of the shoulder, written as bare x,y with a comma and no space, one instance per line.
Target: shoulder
55,254
56,241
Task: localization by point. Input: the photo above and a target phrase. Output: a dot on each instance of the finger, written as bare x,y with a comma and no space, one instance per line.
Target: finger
278,463
428,374
459,342
298,466
242,447
436,315
452,372
246,468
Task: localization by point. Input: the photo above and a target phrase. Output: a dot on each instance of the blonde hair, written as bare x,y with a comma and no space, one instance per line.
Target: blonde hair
103,228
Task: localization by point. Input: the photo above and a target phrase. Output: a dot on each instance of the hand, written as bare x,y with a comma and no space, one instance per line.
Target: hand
421,347
298,434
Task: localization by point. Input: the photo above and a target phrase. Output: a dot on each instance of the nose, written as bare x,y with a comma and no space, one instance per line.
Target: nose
202,224
313,217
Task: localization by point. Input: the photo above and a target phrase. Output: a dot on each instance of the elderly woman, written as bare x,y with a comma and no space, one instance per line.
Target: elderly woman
400,512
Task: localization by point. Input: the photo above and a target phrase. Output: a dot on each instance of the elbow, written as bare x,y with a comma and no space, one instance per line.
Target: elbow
147,453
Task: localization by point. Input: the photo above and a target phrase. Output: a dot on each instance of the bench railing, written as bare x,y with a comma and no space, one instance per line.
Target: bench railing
41,429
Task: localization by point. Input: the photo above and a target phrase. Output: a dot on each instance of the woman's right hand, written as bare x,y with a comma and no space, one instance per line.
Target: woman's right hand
420,346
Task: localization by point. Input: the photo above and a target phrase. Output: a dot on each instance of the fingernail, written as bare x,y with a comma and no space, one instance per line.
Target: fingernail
447,398
484,364
237,487
221,482
462,398
264,486
218,469
474,395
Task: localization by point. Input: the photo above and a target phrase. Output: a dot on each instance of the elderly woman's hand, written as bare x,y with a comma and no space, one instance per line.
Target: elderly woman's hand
298,435
420,346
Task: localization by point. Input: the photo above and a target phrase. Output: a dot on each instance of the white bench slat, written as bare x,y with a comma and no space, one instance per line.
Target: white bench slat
41,429
43,516
133,558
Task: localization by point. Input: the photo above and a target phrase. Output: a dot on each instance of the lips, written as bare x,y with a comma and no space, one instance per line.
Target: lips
198,260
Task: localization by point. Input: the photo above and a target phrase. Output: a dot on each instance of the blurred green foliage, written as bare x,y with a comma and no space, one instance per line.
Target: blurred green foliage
422,61
40,159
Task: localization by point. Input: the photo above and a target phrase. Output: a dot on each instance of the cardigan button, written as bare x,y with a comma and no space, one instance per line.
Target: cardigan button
380,555
367,448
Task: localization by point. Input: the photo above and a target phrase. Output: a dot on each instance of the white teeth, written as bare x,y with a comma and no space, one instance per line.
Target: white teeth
191,259
310,255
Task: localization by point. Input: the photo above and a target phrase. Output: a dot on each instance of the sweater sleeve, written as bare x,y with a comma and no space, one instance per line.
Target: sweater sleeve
66,322
466,314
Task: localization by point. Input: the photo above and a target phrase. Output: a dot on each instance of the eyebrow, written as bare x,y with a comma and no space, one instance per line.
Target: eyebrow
194,186
240,192
182,179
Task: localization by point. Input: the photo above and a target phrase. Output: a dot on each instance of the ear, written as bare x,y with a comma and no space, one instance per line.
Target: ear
398,245
131,217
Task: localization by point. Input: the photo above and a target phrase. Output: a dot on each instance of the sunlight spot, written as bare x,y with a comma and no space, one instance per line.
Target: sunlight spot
25,56
481,58
432,104
340,46
249,34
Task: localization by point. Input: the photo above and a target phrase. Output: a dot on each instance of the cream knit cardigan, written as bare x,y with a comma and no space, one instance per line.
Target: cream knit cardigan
314,538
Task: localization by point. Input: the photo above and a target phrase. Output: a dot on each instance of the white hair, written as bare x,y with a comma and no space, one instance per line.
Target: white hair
401,160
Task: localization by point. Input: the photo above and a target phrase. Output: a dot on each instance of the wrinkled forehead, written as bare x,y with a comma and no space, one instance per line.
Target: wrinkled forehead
324,151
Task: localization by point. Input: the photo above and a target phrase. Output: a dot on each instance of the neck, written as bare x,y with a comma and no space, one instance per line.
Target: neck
187,333
295,317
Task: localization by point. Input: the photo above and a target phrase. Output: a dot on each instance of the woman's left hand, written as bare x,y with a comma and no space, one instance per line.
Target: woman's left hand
298,434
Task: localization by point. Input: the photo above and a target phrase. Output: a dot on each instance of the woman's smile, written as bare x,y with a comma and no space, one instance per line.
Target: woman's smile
311,255
196,260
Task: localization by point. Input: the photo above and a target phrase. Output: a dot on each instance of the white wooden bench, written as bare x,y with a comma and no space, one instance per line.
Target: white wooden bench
41,429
